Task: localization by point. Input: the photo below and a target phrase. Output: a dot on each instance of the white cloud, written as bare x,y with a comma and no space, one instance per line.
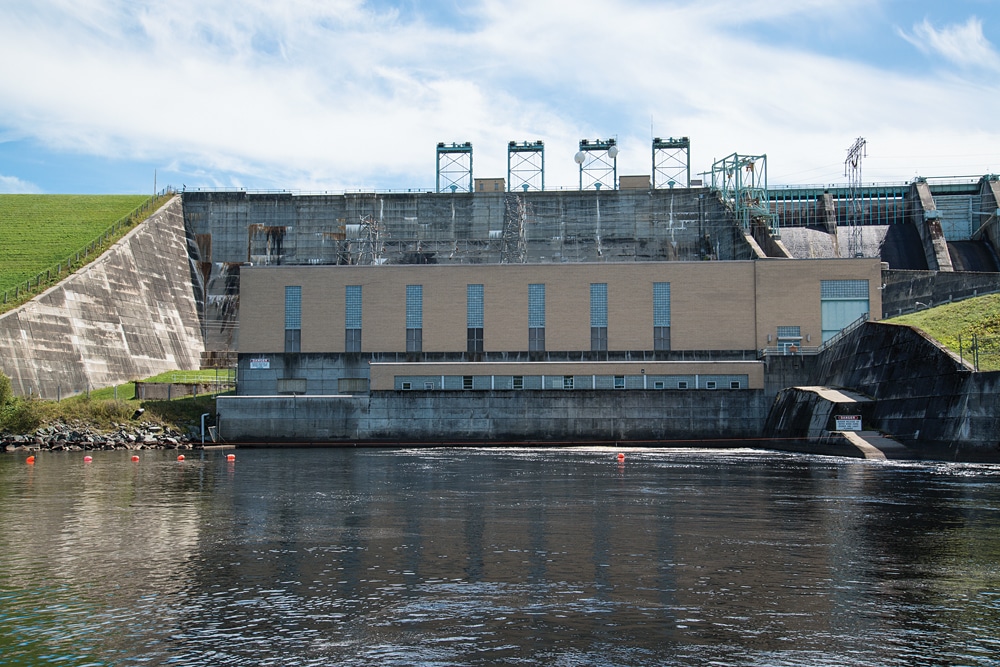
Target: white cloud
961,44
320,94
11,185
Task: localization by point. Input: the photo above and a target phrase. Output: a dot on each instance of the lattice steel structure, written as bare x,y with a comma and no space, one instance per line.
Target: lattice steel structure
742,182
454,167
671,162
855,203
598,162
525,166
372,236
513,242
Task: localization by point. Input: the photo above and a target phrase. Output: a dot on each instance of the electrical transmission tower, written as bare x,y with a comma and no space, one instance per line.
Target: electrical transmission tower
855,201
513,244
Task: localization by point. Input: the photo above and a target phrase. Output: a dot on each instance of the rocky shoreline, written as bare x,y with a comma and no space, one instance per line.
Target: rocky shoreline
77,437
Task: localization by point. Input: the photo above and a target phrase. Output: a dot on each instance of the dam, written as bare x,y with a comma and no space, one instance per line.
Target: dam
390,316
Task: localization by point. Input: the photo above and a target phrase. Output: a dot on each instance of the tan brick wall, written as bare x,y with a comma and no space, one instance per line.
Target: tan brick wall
714,305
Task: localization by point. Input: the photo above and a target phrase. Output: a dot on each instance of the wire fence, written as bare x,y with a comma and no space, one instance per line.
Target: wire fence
982,352
82,257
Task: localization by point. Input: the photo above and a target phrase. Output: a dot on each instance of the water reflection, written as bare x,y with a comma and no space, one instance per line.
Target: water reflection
548,557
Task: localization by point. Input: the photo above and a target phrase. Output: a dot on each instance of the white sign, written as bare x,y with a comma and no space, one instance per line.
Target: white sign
848,422
260,364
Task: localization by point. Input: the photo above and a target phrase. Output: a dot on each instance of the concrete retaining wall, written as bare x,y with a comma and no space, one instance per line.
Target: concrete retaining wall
503,416
924,395
130,314
905,289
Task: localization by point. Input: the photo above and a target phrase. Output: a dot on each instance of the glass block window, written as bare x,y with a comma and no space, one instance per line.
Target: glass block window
661,304
789,332
844,289
414,306
293,307
474,306
599,304
536,305
352,307
293,318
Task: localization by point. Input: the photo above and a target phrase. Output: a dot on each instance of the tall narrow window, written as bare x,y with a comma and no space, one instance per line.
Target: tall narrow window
352,318
661,316
414,318
536,318
293,318
598,316
474,317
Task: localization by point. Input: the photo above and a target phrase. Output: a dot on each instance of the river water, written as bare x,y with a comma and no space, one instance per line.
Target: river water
497,557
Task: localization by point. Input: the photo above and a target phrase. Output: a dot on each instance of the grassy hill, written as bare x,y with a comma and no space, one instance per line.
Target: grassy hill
37,232
970,328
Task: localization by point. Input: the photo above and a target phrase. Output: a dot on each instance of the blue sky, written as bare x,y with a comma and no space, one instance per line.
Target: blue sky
103,96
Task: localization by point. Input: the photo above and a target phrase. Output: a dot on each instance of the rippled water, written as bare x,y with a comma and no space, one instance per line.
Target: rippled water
493,557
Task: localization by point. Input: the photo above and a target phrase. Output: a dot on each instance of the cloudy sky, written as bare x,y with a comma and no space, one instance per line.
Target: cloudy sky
332,95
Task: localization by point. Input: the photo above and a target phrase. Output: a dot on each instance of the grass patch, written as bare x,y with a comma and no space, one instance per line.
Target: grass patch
101,410
41,235
970,328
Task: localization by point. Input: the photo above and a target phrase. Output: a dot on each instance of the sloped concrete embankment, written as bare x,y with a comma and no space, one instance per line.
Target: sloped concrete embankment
130,314
921,394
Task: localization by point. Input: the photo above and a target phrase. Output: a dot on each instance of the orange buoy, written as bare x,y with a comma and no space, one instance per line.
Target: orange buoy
621,457
180,457
135,459
230,457
88,459
30,460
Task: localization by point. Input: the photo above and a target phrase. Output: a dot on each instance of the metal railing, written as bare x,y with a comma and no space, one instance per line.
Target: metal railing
843,332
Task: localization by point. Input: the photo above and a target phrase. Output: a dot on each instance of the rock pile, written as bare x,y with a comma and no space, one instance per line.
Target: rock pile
59,437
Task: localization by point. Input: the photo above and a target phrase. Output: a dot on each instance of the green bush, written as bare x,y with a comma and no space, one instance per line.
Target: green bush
20,416
6,391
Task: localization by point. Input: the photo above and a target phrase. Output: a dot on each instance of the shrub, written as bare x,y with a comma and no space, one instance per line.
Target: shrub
6,391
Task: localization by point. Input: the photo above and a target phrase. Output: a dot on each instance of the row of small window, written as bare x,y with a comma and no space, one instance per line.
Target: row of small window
475,305
518,382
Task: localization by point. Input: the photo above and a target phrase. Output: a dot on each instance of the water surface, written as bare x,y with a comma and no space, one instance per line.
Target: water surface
494,557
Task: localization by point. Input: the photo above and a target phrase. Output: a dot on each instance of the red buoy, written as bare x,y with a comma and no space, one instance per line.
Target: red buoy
230,457
621,457
135,459
88,459
180,457
30,460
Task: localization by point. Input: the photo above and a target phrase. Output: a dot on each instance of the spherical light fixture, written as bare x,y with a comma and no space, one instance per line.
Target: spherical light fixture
613,152
579,157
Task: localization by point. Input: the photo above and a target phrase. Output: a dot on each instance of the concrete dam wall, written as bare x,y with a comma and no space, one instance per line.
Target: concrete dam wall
130,314
922,394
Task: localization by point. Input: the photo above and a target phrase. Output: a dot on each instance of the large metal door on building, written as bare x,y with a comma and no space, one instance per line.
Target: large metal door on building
842,302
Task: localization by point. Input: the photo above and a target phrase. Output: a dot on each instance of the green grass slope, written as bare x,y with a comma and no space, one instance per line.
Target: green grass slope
970,328
39,231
